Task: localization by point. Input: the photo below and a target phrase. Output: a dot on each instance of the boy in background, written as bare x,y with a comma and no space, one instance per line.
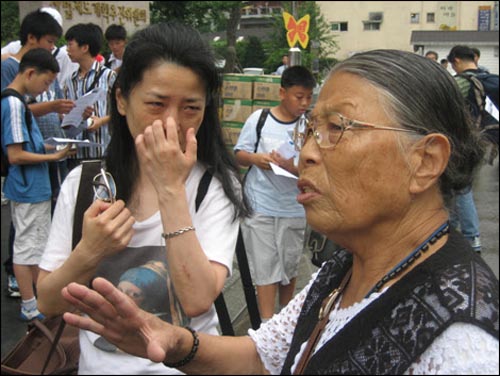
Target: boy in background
116,36
27,185
274,235
84,44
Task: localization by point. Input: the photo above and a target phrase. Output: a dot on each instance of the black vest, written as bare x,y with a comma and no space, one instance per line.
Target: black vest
453,285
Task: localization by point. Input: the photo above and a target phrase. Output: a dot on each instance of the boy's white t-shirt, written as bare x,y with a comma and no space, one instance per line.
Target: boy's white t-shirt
143,263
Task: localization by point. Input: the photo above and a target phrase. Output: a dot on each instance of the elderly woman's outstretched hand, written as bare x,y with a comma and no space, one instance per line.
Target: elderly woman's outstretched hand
113,315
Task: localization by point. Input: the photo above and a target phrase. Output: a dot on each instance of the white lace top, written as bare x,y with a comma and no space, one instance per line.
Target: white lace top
461,349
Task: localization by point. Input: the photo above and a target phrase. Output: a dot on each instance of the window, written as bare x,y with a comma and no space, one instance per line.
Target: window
339,26
374,21
371,25
431,18
415,18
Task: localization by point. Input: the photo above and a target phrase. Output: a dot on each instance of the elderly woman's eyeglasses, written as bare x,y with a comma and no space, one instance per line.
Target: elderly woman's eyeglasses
104,186
328,129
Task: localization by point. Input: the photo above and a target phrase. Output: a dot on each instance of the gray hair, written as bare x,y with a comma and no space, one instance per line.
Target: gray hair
421,95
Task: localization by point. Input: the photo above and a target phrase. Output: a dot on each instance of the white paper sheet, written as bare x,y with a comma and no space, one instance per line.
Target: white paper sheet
281,171
72,121
63,141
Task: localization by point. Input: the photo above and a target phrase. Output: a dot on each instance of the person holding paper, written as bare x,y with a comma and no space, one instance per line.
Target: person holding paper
84,43
273,236
27,184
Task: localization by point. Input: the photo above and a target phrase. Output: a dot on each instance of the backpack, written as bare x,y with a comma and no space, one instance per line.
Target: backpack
27,115
483,85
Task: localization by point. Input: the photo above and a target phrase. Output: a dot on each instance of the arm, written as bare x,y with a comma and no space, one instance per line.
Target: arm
61,106
107,229
18,156
142,334
197,280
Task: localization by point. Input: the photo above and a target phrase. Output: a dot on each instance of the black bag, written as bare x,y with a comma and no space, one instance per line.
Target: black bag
30,354
483,85
319,245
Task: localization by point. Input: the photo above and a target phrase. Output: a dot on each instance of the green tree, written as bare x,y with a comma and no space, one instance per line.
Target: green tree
10,21
205,16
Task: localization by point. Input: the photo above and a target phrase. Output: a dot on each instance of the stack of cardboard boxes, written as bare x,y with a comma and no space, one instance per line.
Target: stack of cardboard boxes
242,95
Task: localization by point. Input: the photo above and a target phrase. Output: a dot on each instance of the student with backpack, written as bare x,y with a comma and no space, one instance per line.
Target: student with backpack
476,86
274,235
27,183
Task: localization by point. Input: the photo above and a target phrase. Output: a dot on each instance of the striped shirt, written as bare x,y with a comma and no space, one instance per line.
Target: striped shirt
76,87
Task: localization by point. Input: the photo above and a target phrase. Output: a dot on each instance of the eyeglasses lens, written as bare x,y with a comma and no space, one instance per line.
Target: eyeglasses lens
104,187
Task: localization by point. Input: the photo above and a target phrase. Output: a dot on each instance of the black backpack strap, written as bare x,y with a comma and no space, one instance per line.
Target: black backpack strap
83,201
8,92
246,280
84,197
220,302
260,125
203,188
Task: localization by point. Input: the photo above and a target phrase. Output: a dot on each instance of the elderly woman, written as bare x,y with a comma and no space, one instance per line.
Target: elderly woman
388,139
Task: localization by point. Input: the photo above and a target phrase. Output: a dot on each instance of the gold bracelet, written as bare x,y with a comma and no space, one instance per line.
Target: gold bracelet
169,235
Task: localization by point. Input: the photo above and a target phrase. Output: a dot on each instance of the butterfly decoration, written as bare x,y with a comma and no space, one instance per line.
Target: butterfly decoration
297,31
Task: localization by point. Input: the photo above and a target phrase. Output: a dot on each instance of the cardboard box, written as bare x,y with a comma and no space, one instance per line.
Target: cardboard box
267,88
237,86
231,134
257,105
236,110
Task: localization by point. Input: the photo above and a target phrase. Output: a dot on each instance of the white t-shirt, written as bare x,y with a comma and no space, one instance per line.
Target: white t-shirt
216,232
270,194
66,66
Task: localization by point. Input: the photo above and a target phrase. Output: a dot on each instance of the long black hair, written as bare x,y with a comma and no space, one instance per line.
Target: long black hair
182,45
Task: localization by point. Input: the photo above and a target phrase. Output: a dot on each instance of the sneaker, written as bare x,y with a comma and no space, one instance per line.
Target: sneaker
31,315
476,244
12,288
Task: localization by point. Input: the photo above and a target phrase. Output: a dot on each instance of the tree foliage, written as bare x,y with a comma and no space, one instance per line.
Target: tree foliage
10,21
209,16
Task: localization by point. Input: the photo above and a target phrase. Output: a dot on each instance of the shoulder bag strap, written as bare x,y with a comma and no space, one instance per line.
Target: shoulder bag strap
83,201
260,125
220,302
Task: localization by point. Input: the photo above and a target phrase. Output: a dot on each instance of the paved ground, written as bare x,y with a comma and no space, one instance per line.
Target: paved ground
487,199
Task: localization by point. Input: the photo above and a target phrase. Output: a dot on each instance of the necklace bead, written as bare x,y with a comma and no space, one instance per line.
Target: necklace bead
415,254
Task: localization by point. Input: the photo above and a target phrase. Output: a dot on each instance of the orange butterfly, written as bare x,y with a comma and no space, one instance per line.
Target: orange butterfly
297,31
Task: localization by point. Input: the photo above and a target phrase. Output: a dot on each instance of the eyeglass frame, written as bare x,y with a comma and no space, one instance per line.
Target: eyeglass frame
106,185
300,138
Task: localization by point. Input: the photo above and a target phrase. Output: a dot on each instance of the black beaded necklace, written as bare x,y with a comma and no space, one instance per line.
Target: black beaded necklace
330,300
415,254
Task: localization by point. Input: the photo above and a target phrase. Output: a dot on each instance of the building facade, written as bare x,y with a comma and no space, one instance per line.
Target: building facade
364,25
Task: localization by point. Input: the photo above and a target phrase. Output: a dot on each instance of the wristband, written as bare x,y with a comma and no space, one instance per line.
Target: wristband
190,356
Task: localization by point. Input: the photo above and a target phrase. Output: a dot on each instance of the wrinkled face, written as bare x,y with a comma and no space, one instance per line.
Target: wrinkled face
362,180
165,90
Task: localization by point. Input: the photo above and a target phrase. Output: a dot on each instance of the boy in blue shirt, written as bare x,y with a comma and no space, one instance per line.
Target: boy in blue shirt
27,184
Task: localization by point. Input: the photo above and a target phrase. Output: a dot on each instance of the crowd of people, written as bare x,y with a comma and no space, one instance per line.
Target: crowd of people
374,166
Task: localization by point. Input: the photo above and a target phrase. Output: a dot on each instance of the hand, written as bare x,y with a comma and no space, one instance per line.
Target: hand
62,106
94,124
65,152
262,160
107,229
89,110
164,158
113,315
286,164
